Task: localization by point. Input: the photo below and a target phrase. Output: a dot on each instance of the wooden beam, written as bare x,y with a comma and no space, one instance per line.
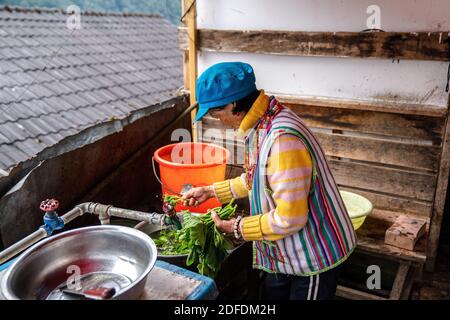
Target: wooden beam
391,216
352,294
189,9
388,45
370,245
364,105
439,201
414,185
382,151
394,203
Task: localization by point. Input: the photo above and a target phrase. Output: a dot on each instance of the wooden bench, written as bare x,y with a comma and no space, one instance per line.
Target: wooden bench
396,155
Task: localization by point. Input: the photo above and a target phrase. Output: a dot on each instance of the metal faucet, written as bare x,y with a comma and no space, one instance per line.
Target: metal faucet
52,221
169,210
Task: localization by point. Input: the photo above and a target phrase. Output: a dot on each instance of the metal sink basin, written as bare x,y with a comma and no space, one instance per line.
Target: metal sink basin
100,256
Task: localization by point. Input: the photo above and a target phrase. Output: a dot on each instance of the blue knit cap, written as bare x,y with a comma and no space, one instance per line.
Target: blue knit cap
223,83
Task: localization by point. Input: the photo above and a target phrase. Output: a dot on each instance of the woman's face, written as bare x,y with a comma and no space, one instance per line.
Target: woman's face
226,116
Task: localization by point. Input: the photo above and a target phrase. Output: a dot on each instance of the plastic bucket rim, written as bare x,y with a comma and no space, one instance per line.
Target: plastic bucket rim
160,160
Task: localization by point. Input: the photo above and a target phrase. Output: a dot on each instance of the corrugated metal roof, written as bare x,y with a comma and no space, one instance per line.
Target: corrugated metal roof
55,81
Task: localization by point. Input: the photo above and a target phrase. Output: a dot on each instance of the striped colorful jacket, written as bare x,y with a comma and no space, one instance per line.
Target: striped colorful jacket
299,223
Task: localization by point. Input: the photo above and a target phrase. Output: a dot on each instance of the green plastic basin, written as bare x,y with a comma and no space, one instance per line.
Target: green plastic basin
358,207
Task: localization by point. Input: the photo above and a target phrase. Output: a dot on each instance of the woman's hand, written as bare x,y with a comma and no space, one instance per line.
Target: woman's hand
198,195
226,226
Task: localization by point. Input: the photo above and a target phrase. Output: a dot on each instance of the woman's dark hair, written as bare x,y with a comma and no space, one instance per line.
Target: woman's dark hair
244,104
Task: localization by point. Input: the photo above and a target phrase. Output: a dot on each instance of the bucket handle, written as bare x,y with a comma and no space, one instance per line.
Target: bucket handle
166,187
159,180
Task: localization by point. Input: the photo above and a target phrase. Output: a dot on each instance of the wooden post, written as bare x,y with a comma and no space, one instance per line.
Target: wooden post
414,274
191,57
400,280
186,70
439,201
185,50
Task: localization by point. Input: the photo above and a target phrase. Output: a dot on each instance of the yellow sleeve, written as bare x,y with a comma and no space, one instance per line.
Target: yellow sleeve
289,173
229,189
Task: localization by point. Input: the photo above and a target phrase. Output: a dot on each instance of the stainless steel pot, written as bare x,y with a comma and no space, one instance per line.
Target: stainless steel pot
98,256
176,259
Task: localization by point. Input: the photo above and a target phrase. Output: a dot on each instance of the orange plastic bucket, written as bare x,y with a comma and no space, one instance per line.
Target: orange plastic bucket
198,164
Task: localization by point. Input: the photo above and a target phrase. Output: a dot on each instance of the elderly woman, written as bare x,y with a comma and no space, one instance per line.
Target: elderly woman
300,229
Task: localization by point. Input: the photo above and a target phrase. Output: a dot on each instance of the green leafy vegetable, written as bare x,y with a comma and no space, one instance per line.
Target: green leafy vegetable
205,245
171,199
208,246
171,242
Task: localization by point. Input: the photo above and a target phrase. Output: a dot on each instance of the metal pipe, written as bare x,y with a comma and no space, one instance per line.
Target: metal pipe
18,247
76,212
103,211
152,218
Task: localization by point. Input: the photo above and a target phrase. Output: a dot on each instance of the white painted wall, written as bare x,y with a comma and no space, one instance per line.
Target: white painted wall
407,81
323,15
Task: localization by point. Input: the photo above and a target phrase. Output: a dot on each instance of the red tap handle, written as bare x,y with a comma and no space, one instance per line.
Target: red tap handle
168,209
49,205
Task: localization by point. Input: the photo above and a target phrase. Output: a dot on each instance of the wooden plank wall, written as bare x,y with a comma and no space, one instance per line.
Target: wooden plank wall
391,158
394,154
